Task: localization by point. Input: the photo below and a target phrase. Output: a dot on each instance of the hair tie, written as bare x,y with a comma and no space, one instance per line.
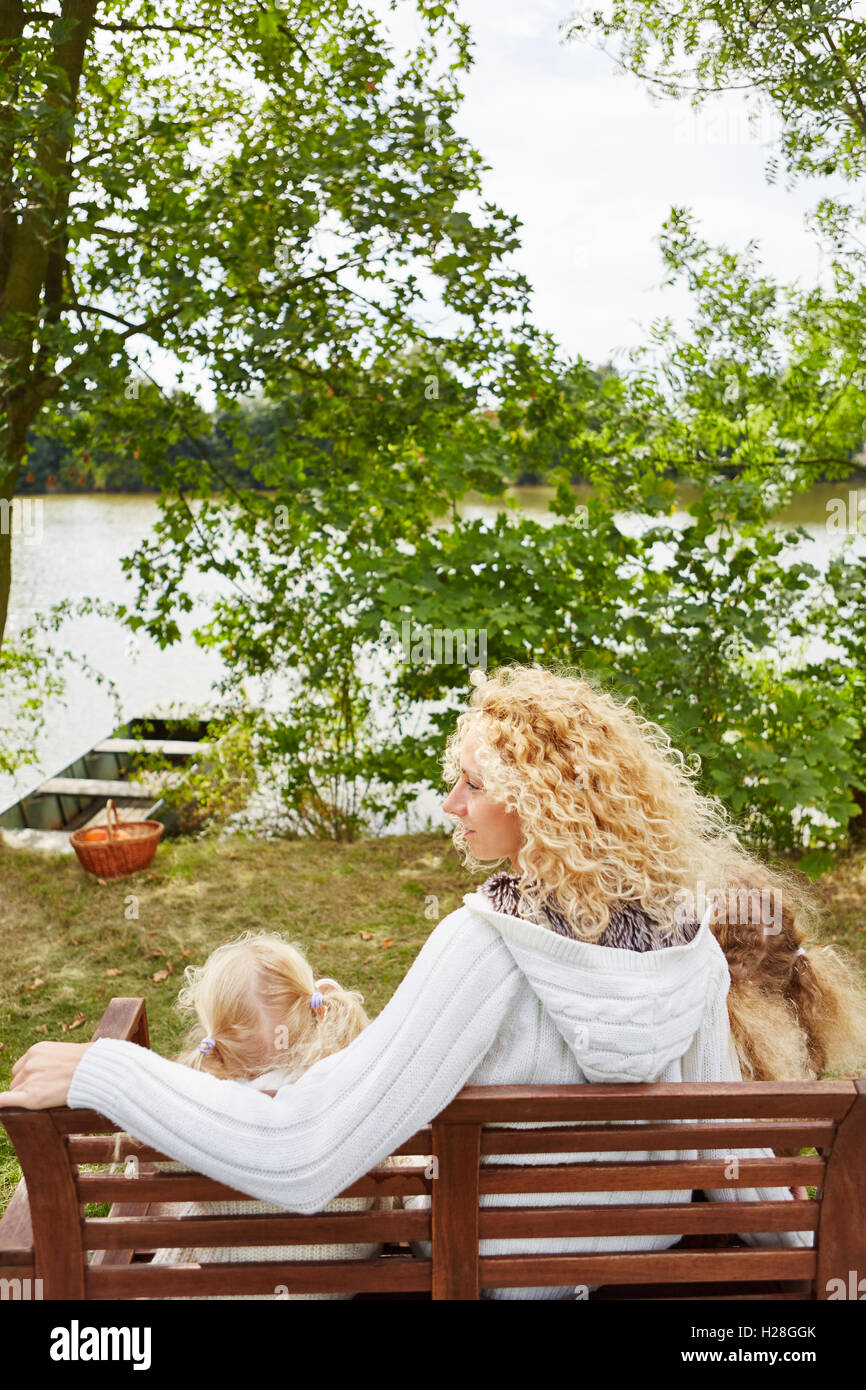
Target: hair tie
207,1045
800,951
317,1004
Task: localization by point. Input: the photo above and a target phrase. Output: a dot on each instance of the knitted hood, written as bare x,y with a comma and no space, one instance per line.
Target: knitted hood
625,1015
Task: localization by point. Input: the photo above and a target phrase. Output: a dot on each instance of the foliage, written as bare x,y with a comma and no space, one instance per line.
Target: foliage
267,192
747,406
295,243
209,789
805,59
33,670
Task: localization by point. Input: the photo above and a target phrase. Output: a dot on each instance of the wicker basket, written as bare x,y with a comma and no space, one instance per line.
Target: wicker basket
127,846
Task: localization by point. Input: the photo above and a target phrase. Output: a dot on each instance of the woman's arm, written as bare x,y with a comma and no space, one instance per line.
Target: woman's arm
320,1133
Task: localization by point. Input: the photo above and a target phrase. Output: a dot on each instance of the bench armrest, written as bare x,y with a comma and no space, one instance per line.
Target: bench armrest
124,1019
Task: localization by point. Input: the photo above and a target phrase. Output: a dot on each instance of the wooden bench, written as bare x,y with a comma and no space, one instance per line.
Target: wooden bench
47,1232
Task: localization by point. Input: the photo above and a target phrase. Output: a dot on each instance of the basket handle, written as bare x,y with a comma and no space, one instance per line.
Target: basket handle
111,810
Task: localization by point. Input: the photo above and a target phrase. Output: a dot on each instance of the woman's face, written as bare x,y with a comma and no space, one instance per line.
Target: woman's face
492,831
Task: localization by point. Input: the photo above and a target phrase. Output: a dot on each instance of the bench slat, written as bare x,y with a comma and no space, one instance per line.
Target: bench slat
738,1292
601,1138
92,1148
818,1134
139,1231
658,1219
193,1187
394,1274
665,1175
758,1100
686,1266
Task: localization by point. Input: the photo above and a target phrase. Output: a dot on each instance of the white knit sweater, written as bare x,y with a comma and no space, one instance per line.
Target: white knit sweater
238,1253
491,999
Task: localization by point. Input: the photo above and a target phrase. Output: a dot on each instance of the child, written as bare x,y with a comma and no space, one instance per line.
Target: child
261,1016
797,1005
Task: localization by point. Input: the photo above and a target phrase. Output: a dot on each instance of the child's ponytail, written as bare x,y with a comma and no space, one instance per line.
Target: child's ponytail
256,1006
831,1007
338,1019
797,1006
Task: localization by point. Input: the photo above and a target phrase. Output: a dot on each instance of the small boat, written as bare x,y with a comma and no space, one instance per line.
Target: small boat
76,797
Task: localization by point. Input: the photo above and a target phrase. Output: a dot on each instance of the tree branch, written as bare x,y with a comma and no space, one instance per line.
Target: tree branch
126,25
855,90
132,328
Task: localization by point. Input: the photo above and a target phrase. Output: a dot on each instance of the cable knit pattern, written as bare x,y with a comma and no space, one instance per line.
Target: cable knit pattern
491,999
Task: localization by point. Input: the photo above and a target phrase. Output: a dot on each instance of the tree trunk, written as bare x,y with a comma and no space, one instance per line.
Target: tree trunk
18,422
28,278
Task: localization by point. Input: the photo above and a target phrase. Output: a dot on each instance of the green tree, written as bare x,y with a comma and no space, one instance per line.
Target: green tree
265,191
805,59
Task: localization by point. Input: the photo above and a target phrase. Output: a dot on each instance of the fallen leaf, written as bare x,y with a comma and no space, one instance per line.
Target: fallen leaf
366,935
112,973
387,941
35,985
186,954
73,941
76,1023
3,1045
157,951
103,882
160,975
42,1028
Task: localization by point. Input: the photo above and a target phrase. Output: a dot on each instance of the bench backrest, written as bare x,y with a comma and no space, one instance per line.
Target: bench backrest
70,1160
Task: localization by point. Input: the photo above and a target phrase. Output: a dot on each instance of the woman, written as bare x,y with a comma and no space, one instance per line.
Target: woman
585,964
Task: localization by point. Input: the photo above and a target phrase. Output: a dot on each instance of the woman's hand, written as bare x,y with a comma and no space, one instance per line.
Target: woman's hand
800,1193
42,1077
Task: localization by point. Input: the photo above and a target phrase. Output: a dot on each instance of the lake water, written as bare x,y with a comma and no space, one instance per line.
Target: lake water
76,553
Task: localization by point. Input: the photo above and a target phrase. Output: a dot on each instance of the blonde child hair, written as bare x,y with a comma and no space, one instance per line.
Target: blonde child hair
252,1003
258,1007
610,814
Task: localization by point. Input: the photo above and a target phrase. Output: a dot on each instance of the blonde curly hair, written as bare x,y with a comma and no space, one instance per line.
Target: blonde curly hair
610,814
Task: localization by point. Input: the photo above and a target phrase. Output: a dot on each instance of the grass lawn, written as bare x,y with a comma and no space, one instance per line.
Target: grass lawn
69,943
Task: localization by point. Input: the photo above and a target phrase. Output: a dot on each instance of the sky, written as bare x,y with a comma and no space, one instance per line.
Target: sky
591,165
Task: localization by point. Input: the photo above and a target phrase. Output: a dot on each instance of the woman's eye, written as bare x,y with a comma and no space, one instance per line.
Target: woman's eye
472,786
